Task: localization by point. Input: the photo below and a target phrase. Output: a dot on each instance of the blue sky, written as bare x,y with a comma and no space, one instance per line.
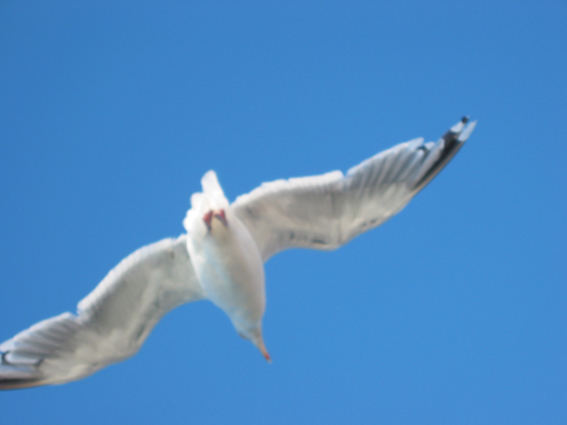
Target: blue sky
453,312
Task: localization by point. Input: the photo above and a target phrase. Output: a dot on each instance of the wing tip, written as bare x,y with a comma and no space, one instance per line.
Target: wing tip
20,384
453,139
467,131
15,378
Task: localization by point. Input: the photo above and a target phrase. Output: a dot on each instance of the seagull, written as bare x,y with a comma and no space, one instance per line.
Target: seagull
221,258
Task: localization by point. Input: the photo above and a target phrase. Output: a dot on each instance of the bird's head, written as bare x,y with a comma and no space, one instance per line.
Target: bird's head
254,335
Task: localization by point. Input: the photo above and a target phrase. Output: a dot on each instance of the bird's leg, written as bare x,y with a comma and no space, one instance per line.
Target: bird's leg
208,218
221,216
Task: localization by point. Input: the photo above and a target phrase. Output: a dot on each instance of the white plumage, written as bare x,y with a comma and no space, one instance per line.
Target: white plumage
221,259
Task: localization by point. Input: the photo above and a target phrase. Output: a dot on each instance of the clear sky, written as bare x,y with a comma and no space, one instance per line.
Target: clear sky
453,312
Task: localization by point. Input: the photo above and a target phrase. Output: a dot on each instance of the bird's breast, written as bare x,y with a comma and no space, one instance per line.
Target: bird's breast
228,265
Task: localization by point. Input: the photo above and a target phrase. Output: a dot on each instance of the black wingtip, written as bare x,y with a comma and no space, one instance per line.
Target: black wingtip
16,377
452,144
19,384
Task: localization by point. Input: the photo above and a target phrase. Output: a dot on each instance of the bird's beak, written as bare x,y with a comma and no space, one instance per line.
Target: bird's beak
262,347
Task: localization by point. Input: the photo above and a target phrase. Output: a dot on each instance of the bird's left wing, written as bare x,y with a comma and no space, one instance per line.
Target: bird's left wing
112,321
326,211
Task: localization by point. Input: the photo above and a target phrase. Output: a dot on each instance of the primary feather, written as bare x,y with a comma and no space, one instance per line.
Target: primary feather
326,211
111,323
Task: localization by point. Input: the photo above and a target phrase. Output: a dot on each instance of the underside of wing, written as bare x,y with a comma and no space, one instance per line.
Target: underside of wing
112,321
326,211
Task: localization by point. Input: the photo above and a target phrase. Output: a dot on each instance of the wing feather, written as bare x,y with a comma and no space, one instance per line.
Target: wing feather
112,321
326,211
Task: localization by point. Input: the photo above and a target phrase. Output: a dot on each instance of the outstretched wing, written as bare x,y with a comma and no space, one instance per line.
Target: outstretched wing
112,321
326,211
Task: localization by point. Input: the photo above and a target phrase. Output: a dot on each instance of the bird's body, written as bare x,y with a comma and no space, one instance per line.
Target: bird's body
221,259
226,261
230,270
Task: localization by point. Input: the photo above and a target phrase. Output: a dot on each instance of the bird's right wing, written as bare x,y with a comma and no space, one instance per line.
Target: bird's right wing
112,321
326,211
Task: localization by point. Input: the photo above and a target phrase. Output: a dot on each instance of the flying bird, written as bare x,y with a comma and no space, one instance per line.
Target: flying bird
221,258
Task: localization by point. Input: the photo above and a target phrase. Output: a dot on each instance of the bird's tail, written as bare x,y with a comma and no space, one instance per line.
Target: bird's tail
212,196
